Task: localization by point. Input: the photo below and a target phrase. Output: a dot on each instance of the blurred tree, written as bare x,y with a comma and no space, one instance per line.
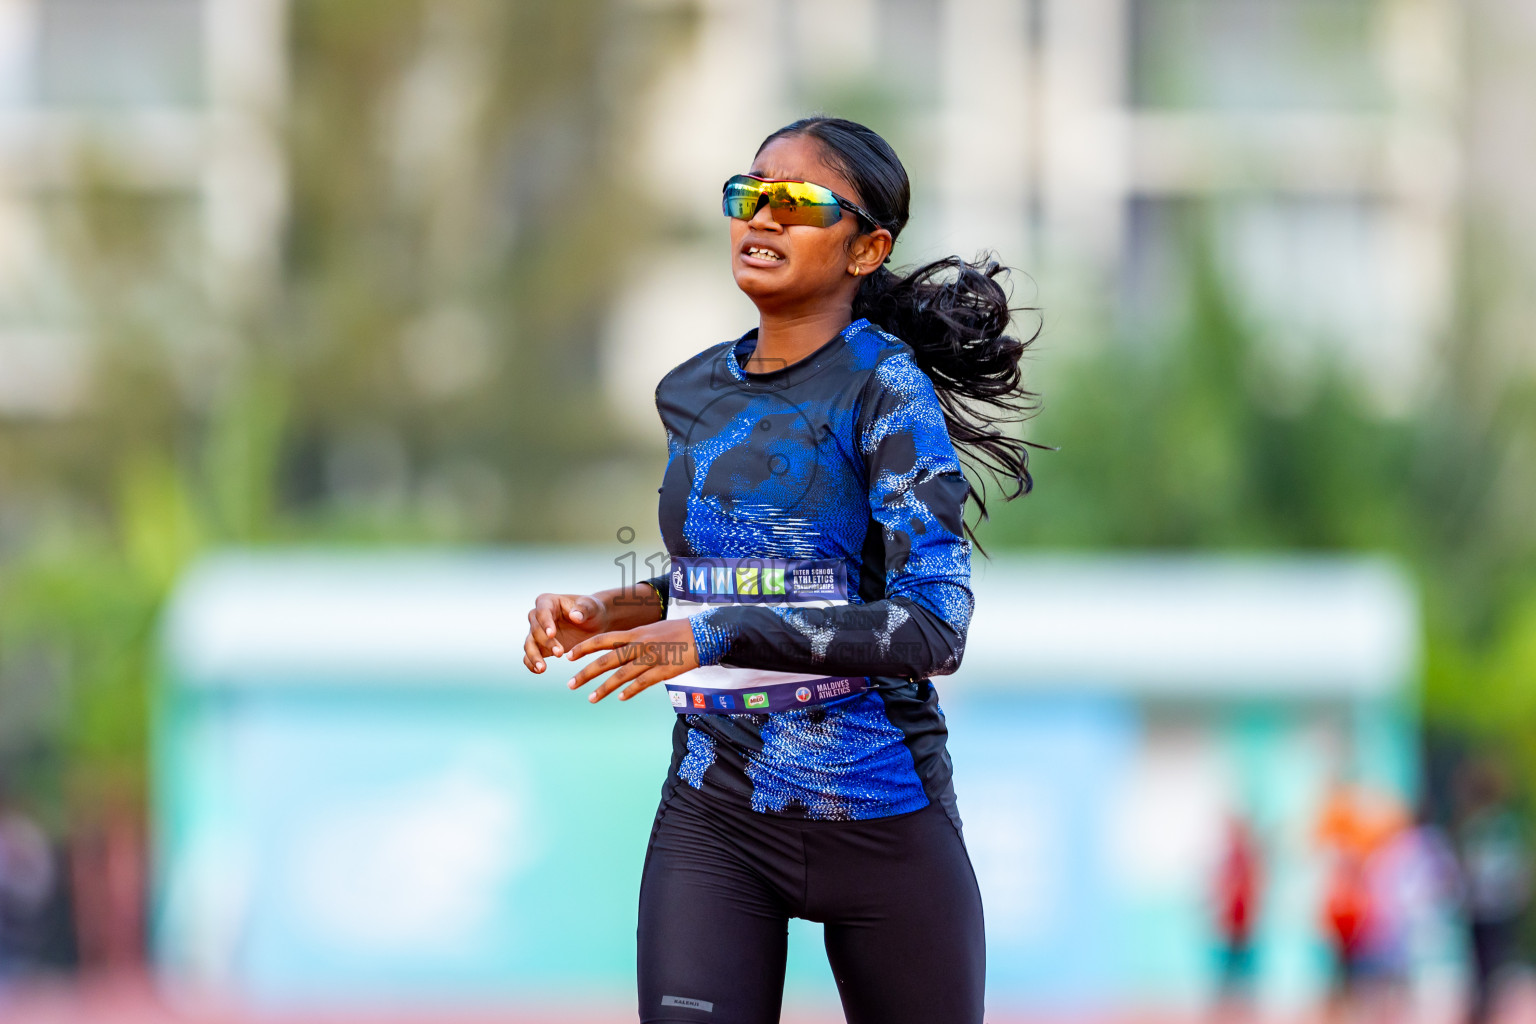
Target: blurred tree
458,212
1174,444
421,371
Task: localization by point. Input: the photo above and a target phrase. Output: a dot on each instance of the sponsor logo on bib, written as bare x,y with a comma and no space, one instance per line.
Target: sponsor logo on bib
768,583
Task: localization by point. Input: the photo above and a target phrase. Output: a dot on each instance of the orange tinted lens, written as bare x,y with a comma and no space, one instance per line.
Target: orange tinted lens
800,202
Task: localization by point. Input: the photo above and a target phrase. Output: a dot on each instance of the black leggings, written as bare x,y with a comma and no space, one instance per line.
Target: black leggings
897,896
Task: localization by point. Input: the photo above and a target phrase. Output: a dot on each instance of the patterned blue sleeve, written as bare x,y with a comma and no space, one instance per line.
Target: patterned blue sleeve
916,491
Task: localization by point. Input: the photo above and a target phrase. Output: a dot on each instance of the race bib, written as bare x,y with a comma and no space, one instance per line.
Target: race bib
699,583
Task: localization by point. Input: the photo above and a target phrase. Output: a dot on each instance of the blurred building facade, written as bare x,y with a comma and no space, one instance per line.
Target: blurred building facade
1327,147
1076,138
171,105
1322,150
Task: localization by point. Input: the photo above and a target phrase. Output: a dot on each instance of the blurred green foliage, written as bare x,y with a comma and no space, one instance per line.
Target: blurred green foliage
1171,442
331,410
410,376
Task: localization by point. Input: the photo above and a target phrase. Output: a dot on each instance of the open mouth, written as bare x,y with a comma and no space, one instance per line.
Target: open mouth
759,252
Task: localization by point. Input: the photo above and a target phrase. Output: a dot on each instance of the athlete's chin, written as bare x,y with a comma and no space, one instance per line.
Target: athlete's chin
762,287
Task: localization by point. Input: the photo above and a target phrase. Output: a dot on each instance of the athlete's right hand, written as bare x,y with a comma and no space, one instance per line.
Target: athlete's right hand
557,622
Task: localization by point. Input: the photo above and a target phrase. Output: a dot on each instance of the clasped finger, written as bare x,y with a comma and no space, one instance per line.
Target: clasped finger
539,624
532,656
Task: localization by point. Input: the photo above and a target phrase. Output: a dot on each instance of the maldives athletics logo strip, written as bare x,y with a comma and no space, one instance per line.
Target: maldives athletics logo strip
759,580
764,699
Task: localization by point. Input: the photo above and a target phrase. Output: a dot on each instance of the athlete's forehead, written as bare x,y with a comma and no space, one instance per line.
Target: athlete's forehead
803,158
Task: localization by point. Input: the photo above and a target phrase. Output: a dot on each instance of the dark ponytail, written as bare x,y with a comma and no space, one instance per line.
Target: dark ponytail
954,314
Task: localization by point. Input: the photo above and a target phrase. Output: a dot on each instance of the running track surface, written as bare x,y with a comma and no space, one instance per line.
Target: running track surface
132,1000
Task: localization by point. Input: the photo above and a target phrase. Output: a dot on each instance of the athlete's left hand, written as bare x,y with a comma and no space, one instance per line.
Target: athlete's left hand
640,657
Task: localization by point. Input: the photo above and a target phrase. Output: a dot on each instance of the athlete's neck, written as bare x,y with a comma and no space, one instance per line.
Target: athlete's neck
785,338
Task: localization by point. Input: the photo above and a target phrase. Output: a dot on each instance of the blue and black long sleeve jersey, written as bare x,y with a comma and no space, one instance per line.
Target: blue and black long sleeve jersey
842,455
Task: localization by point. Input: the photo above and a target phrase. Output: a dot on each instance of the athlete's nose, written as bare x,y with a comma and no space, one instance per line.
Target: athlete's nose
762,217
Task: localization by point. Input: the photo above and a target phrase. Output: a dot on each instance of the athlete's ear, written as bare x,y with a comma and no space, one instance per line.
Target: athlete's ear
867,251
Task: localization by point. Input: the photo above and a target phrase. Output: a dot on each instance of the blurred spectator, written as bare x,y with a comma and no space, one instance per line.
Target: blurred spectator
108,867
1347,910
1413,887
1495,856
28,881
1238,880
1354,826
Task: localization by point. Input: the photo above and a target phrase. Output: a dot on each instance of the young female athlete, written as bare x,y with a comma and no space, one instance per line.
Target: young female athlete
812,505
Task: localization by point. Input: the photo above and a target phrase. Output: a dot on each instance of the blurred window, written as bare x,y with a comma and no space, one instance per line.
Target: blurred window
1311,277
1255,54
119,53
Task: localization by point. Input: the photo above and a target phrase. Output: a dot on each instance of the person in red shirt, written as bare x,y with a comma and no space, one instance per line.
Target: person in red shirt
1347,920
1238,880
